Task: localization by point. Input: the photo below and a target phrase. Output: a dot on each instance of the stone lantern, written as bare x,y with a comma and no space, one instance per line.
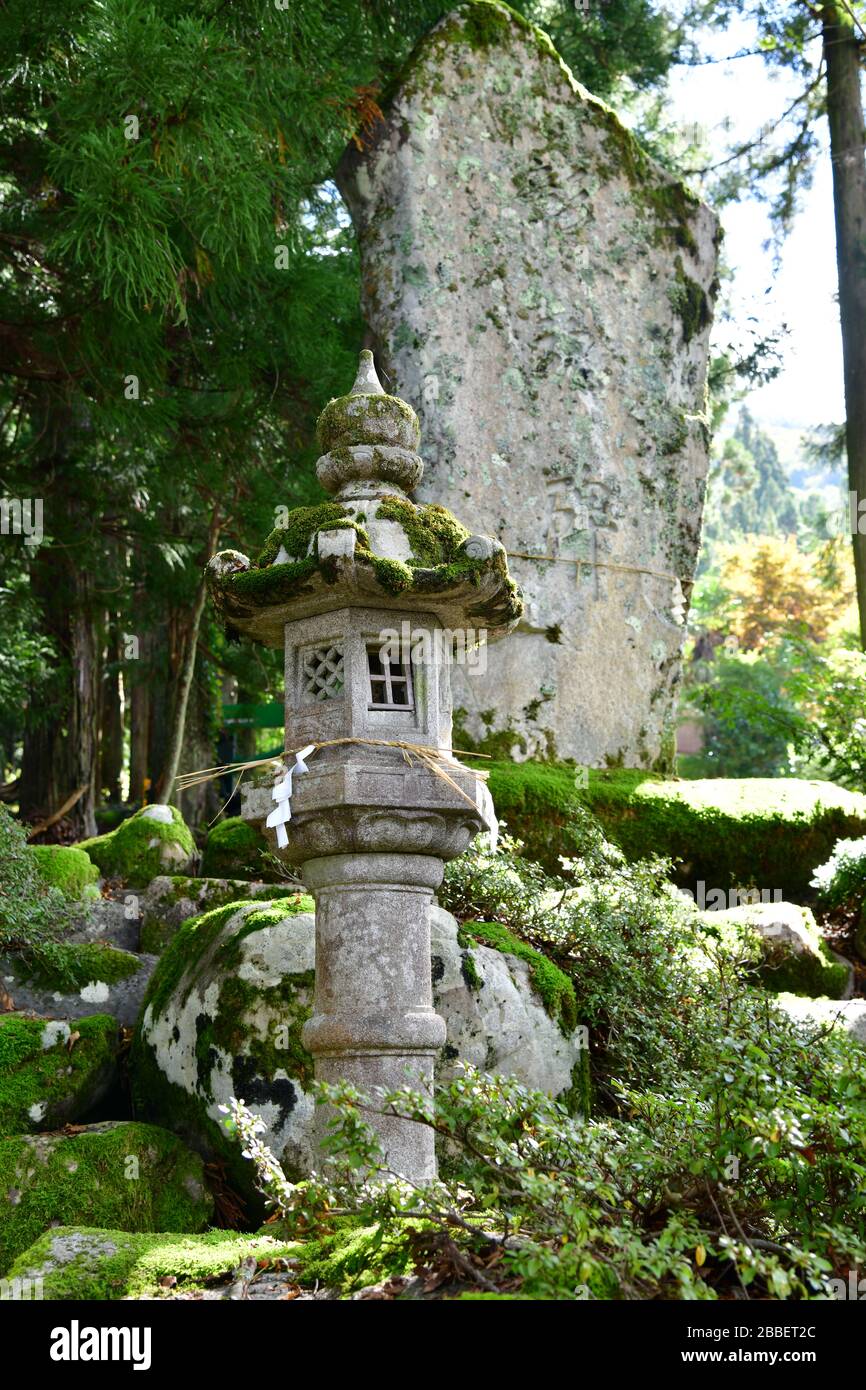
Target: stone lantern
373,597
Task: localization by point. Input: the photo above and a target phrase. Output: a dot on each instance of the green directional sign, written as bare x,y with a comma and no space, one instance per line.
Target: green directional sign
270,716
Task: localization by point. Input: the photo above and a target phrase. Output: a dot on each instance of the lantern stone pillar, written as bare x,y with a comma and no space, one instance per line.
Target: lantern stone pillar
374,1023
371,597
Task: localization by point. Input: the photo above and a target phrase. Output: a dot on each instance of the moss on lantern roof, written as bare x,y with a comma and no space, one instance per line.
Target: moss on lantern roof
300,526
434,534
371,438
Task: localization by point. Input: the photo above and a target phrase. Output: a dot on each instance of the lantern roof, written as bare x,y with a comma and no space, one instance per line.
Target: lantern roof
369,545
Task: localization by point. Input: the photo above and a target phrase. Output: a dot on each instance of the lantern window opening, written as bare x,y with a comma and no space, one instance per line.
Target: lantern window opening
323,671
390,681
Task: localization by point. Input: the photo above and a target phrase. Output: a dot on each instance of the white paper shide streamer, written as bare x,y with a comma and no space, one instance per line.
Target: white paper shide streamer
489,813
282,795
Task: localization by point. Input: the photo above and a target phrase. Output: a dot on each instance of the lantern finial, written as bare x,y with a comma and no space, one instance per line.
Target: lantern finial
367,382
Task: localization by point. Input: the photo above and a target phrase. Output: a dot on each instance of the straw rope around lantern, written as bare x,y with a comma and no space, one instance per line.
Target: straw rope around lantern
431,758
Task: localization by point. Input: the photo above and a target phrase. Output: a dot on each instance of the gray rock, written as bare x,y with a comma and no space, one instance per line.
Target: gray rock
541,293
846,1014
119,998
499,1024
110,920
788,947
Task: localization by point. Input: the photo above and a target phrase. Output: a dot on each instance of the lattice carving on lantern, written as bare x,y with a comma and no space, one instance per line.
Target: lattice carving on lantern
323,675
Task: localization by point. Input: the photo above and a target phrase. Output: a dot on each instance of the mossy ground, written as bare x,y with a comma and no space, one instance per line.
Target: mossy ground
67,867
127,1176
136,850
85,1262
767,833
40,1078
351,1257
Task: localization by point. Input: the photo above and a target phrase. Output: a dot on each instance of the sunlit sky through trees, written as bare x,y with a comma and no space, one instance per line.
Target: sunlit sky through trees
801,293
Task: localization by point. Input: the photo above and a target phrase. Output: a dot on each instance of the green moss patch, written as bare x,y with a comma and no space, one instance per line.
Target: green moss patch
552,985
577,1098
67,867
142,847
690,304
541,804
340,425
52,1072
433,533
67,966
767,833
185,897
301,525
235,849
84,1262
351,1257
125,1176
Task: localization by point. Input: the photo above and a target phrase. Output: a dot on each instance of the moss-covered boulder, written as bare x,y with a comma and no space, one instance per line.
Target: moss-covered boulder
80,1262
71,978
782,941
760,832
51,1073
171,900
223,1017
156,840
235,849
507,1009
227,1003
126,1176
69,868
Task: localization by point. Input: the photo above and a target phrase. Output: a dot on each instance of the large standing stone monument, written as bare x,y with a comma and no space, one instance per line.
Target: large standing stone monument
370,594
541,292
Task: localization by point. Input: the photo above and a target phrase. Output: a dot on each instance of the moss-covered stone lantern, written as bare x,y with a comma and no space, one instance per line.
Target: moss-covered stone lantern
371,594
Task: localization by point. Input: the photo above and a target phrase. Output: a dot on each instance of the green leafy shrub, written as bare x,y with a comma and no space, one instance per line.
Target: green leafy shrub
726,1152
733,1179
841,881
